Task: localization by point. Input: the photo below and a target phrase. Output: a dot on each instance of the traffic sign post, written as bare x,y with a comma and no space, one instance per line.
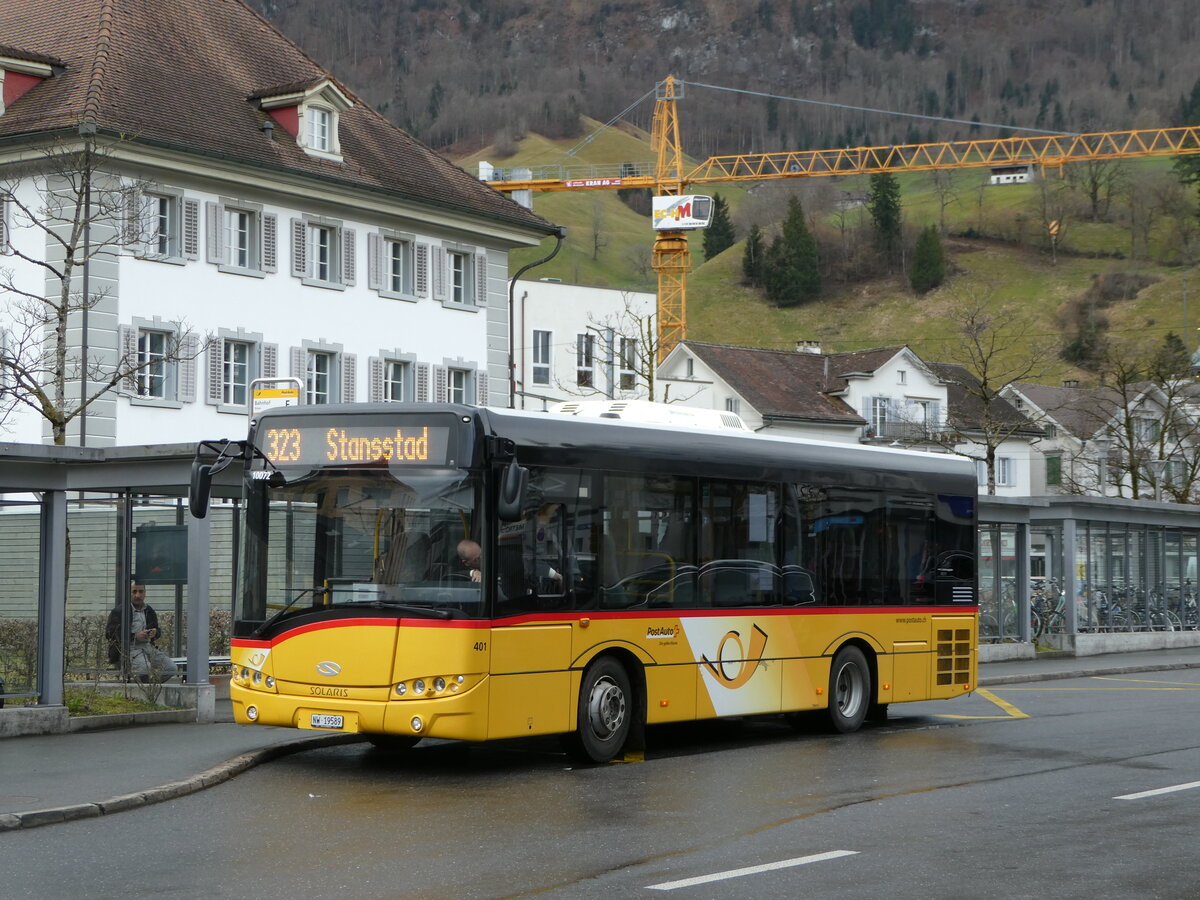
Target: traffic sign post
268,392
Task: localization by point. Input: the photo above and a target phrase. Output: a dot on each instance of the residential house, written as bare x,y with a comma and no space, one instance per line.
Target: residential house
577,341
886,396
271,224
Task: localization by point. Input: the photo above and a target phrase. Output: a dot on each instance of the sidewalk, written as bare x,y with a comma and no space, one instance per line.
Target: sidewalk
61,777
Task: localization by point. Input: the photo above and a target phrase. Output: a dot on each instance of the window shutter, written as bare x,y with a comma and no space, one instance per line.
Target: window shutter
422,386
349,377
422,279
481,280
270,360
437,266
298,368
216,371
374,261
374,380
299,248
439,387
191,229
3,226
133,228
214,233
270,243
129,338
481,388
349,262
935,416
189,349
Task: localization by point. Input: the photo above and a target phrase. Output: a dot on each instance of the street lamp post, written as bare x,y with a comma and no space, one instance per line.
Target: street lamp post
1100,446
1159,468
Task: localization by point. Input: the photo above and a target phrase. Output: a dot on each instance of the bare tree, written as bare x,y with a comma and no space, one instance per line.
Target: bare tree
997,349
67,210
1099,180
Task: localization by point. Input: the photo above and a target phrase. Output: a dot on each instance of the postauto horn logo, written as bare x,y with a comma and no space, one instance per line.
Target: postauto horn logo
734,665
328,668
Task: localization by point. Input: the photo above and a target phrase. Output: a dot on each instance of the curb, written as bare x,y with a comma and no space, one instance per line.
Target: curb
1026,677
173,789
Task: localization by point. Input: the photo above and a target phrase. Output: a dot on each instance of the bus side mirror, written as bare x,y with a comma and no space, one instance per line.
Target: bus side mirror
511,502
199,489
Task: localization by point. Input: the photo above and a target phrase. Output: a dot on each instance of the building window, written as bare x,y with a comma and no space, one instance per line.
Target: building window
321,246
318,377
152,366
399,260
458,277
235,372
458,385
323,252
320,123
1004,471
396,381
165,238
1054,469
733,405
901,376
241,239
541,357
879,413
628,356
585,375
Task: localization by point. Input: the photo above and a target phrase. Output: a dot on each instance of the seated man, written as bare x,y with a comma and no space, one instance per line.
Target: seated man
145,660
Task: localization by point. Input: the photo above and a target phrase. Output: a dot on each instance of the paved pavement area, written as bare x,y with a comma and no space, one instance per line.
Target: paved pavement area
56,778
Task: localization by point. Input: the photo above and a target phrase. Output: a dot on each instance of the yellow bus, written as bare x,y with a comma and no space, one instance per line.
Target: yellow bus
433,570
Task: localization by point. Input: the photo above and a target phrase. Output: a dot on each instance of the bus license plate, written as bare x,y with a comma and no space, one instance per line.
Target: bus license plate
322,720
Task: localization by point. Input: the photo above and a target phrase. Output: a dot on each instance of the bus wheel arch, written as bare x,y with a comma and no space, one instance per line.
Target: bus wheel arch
610,708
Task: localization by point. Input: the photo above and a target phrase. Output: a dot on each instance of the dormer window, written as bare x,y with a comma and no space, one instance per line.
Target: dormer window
309,113
18,75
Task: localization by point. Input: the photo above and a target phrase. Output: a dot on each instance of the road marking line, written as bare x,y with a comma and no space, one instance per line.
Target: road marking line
1013,712
1154,793
1147,681
750,870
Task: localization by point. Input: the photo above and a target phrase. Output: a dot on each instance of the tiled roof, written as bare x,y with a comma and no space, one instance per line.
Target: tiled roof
180,74
779,383
966,405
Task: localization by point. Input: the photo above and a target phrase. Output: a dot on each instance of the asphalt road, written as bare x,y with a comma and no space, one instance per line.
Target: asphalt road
1028,790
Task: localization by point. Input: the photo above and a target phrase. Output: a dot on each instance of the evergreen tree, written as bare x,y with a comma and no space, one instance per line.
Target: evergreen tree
884,205
929,261
791,275
719,234
753,256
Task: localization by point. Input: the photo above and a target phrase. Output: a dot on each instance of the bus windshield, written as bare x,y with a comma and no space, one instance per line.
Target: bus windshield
354,539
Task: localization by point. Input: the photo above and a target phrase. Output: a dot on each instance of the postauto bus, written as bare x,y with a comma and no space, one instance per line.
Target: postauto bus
434,570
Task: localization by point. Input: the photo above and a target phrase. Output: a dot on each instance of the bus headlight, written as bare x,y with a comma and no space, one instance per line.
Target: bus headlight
257,677
419,686
417,724
401,689
271,681
439,684
252,713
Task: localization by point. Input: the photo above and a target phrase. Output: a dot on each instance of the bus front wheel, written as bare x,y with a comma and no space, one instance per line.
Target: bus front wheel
605,711
849,690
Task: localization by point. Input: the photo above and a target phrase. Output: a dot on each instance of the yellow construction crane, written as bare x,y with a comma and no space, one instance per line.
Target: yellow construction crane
667,178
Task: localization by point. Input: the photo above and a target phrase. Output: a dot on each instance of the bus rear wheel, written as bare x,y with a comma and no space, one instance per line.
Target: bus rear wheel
849,690
605,712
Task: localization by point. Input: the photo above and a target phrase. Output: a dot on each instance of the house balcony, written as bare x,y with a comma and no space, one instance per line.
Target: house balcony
906,432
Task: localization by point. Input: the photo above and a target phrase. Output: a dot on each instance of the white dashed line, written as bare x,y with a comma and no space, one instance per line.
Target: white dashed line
1165,790
750,870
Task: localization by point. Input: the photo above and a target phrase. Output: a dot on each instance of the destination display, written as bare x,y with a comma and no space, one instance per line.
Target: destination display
292,443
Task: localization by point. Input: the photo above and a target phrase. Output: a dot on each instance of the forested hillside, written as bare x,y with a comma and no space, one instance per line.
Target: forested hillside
465,72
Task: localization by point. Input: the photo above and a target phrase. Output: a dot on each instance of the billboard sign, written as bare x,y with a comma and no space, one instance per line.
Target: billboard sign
682,213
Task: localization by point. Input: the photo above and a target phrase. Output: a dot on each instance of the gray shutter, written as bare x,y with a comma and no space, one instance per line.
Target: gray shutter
481,387
349,260
298,368
270,243
299,249
374,379
270,361
422,385
132,227
349,377
481,279
437,272
128,360
191,229
214,392
3,226
189,349
375,261
935,416
422,273
439,384
214,233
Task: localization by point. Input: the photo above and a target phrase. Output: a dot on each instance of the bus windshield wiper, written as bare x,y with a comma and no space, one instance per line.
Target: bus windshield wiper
428,612
307,592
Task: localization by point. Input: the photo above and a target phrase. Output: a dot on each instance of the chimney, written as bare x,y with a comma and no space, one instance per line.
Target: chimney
1070,382
813,347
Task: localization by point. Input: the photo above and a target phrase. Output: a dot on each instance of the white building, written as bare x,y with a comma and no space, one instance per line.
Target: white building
886,396
580,342
270,224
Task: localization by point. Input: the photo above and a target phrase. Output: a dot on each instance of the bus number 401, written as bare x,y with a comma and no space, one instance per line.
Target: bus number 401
481,645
